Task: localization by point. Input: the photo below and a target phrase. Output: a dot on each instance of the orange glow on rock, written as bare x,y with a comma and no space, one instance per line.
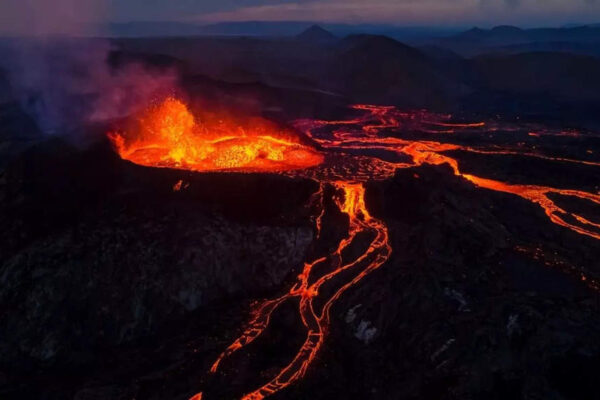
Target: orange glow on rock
354,136
315,319
178,185
169,136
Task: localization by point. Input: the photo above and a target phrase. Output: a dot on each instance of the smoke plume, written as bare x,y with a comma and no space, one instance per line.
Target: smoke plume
60,73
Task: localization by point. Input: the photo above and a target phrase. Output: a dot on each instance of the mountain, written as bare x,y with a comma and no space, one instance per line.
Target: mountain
153,29
257,28
5,89
245,28
559,76
478,41
379,69
504,32
589,49
512,33
316,34
267,28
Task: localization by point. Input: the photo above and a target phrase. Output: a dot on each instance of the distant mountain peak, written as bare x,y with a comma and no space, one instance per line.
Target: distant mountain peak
473,33
475,29
506,28
316,33
496,32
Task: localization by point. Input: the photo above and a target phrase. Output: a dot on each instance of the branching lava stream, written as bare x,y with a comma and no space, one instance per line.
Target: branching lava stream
169,136
351,203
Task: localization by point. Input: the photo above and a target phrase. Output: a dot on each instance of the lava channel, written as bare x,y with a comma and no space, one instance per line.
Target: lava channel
351,202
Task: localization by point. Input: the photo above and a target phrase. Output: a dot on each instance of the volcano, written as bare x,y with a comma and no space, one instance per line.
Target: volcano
168,136
302,220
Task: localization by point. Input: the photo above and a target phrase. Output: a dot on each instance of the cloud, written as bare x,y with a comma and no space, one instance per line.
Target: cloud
415,12
162,10
78,16
513,3
508,3
401,11
56,17
62,80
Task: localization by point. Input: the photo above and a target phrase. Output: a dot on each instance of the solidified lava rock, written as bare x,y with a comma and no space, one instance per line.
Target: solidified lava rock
116,287
457,313
101,256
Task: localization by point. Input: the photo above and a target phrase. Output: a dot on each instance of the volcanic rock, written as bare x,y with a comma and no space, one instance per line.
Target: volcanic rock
112,256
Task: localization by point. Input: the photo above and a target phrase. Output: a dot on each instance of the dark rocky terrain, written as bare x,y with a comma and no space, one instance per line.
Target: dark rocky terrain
102,256
537,82
511,39
115,286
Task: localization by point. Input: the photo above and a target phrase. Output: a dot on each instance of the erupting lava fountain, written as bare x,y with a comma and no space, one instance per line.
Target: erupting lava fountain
168,135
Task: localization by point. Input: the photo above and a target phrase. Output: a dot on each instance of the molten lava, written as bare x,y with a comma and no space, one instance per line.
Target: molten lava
366,134
347,173
169,136
316,319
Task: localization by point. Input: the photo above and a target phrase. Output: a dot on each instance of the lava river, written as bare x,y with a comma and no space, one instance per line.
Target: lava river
169,136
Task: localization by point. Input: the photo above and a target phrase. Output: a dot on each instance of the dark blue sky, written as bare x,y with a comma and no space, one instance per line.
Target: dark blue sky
42,15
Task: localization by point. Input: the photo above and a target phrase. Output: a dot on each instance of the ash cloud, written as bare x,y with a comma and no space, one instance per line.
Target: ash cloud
60,74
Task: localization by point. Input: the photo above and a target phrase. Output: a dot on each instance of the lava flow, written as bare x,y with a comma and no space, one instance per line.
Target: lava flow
169,136
365,134
315,319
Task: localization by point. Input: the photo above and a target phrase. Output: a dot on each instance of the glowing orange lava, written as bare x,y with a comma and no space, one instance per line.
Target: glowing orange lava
168,135
378,119
316,320
347,173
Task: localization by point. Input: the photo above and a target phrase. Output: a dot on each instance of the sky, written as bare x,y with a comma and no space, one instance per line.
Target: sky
38,16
